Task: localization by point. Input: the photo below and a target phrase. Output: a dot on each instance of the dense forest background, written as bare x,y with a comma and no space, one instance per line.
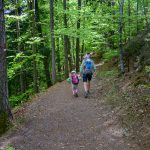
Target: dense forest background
45,39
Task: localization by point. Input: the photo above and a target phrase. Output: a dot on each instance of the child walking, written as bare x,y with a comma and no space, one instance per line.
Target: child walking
74,79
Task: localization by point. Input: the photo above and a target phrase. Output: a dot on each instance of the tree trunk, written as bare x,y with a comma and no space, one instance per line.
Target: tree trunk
58,60
78,40
129,20
41,47
47,71
52,40
4,106
145,14
35,70
137,15
22,83
31,5
73,50
65,41
69,54
69,48
82,50
121,5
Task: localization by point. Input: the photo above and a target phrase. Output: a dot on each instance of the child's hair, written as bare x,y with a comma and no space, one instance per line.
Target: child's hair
73,71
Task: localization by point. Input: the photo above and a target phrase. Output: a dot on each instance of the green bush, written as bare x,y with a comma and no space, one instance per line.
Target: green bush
147,69
9,148
19,99
110,73
110,54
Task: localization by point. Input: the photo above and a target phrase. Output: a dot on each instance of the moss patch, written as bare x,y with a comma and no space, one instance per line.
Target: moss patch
4,122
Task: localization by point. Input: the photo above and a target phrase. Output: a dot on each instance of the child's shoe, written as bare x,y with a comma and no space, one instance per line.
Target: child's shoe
76,95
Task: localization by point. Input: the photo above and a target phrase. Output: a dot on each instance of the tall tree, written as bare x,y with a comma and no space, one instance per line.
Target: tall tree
129,20
78,40
137,15
58,59
44,51
121,5
52,40
4,106
17,5
34,30
31,6
145,14
69,47
65,40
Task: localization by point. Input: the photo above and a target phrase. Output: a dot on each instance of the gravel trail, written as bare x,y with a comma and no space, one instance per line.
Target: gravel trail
58,121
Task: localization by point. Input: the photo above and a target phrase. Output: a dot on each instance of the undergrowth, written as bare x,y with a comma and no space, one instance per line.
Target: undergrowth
131,104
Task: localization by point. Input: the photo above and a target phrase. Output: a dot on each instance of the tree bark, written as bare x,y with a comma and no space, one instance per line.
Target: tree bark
78,40
4,105
121,5
52,40
35,70
69,54
137,15
82,50
145,14
43,50
31,6
65,40
22,81
47,71
129,20
58,60
73,49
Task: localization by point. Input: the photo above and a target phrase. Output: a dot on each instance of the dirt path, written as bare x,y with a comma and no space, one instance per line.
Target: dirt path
58,121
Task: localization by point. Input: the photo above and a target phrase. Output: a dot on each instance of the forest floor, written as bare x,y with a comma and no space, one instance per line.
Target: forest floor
55,120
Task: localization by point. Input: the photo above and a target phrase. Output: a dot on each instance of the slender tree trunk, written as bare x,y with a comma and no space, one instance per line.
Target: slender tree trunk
65,41
82,50
145,14
121,5
69,47
129,30
137,14
58,60
41,47
31,5
4,106
22,84
69,54
47,71
78,40
35,70
52,40
73,49
129,20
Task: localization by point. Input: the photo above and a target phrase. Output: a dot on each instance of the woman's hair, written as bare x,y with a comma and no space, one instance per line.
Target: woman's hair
87,55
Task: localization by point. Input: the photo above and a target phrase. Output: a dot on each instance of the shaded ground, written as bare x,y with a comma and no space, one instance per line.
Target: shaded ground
130,103
56,120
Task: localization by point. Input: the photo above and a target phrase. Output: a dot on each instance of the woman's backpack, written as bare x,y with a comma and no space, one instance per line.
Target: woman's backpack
88,65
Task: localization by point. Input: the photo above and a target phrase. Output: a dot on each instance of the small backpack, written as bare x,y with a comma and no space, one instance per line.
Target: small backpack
88,65
74,79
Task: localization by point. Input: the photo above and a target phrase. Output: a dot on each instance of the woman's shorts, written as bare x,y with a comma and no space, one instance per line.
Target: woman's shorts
87,76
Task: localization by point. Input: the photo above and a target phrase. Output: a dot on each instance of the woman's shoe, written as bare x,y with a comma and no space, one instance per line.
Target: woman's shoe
85,94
